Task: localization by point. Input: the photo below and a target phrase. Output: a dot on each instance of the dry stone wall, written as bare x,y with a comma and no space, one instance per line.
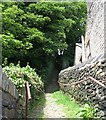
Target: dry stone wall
77,82
86,82
11,105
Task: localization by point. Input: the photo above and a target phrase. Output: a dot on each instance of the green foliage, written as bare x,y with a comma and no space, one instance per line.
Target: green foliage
32,32
71,107
11,46
39,105
5,62
87,112
19,76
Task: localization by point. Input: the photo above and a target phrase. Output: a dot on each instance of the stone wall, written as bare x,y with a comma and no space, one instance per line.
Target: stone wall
95,28
79,82
11,105
86,81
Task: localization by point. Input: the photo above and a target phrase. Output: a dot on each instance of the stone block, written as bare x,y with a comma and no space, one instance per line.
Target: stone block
7,85
9,113
11,88
3,84
4,76
0,79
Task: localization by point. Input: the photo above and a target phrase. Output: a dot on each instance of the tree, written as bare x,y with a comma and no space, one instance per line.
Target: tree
34,32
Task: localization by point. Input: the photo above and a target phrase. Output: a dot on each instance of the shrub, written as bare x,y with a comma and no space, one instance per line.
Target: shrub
87,112
19,76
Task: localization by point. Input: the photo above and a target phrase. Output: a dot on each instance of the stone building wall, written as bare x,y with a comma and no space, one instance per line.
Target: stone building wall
94,37
11,105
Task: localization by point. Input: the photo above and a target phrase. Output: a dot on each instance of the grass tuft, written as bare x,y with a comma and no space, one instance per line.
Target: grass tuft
71,107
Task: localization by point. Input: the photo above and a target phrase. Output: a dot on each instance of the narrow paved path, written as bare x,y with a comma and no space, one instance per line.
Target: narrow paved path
50,109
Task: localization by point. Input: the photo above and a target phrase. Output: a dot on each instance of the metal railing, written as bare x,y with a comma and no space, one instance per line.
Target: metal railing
28,97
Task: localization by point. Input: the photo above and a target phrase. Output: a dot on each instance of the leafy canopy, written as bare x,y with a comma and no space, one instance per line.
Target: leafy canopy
32,32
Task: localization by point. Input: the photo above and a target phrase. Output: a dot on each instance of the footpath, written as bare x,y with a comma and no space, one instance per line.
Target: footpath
50,109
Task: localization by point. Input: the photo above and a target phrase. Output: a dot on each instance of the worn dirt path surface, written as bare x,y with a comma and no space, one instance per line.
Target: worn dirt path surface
50,109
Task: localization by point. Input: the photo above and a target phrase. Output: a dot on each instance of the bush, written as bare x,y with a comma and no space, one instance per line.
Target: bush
19,76
87,112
